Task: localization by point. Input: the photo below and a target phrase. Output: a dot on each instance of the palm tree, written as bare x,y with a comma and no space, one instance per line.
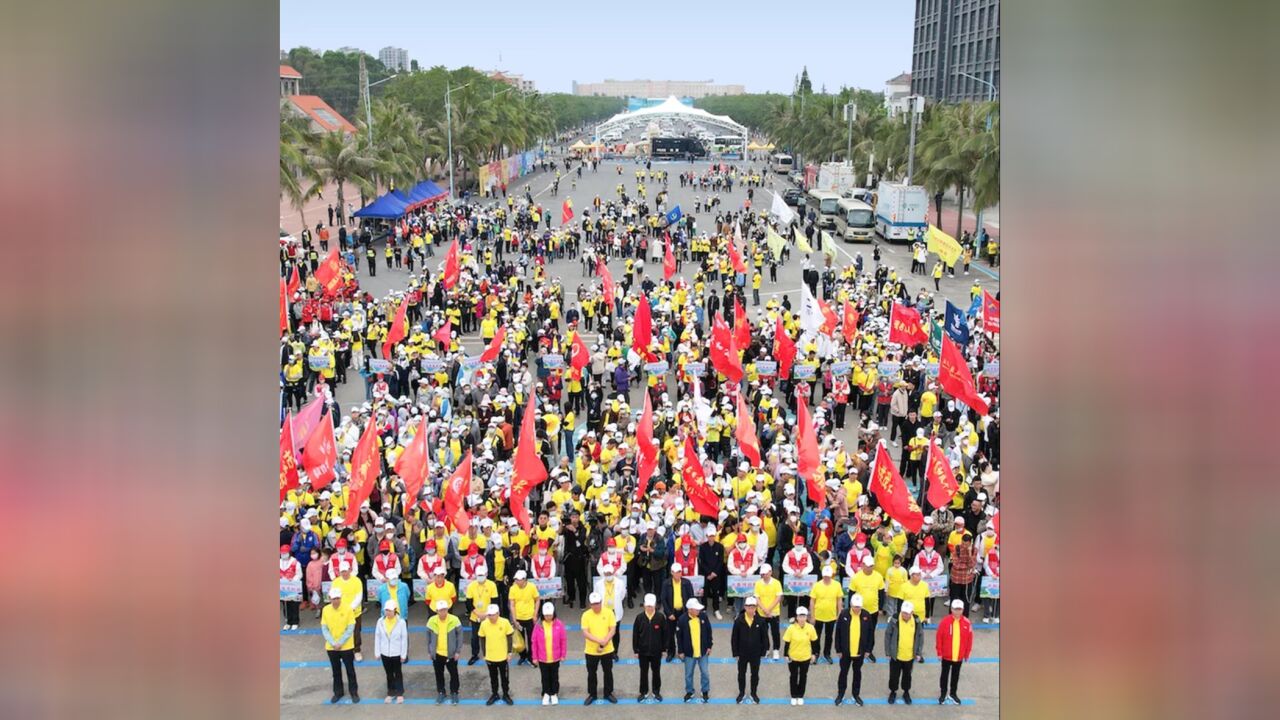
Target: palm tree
295,171
985,145
337,158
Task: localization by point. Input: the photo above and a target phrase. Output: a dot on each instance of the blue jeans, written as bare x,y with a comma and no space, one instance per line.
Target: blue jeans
701,663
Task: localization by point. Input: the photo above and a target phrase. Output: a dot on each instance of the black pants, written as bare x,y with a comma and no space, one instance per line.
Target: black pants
526,627
441,663
337,659
828,629
604,662
498,677
799,677
395,675
650,664
291,611
575,577
475,638
359,627
950,670
900,669
754,665
775,633
550,677
963,591
848,662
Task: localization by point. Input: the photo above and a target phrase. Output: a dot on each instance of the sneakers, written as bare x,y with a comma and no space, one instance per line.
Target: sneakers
453,698
718,616
475,658
492,699
688,697
293,627
839,700
641,698
956,699
612,700
706,698
893,698
942,699
590,699
776,654
871,658
738,700
755,698
334,700
546,699
906,696
857,701
555,699
440,699
359,657
793,701
657,697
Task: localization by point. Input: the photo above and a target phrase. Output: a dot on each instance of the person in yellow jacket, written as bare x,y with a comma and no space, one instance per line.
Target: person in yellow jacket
896,577
916,592
338,625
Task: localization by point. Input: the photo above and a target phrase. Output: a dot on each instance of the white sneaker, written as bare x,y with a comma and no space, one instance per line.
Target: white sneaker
718,617
799,701
555,699
793,701
286,627
295,627
895,443
546,699
775,654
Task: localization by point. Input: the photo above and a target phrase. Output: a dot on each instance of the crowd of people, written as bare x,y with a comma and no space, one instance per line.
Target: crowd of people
688,457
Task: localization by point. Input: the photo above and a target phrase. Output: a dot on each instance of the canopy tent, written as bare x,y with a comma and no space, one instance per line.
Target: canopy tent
579,146
671,108
425,192
753,145
390,205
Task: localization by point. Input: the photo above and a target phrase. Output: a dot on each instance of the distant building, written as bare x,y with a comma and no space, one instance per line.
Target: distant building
896,92
956,41
655,88
349,50
323,118
394,58
514,80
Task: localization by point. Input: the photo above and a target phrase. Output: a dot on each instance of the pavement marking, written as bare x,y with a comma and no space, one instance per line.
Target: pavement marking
576,628
580,662
920,702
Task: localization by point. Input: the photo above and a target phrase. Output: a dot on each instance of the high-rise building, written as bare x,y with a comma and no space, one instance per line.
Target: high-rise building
394,58
956,50
655,88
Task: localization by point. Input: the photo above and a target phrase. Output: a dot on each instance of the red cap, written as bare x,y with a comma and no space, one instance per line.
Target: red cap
742,537
342,542
473,549
543,544
384,545
284,548
928,542
613,542
860,537
799,541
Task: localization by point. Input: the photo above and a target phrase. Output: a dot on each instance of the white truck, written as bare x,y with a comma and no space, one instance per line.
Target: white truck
900,212
836,177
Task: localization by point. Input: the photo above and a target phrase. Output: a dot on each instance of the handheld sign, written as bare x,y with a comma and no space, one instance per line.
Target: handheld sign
798,584
804,372
549,587
767,368
378,365
432,365
290,590
656,368
696,369
318,362
698,582
990,587
840,369
553,361
742,585
937,586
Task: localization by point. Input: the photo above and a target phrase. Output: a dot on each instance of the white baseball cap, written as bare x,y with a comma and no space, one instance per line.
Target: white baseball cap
675,568
650,600
827,571
693,604
548,609
908,607
594,598
493,609
802,610
751,601
765,569
867,561
335,592
855,600
442,604
521,575
957,604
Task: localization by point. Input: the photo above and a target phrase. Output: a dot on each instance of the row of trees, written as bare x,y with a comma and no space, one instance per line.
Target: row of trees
406,136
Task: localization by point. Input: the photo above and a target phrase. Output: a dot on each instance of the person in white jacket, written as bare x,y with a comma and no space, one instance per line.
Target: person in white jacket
931,564
391,643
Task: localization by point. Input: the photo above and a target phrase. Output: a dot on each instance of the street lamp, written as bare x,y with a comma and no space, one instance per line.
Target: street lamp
368,115
915,107
850,109
991,96
448,124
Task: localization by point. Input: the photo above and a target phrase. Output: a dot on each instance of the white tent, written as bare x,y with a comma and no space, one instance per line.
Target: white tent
672,109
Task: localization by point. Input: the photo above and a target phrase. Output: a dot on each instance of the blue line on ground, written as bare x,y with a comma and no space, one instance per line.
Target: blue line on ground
579,662
626,628
922,703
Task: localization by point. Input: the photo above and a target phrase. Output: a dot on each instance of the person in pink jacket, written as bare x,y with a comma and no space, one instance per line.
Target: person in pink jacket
314,578
549,647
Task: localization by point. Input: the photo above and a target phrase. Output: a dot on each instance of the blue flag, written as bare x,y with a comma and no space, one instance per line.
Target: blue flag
674,215
956,325
975,306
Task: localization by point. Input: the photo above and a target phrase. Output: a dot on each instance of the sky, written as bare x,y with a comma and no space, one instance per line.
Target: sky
861,43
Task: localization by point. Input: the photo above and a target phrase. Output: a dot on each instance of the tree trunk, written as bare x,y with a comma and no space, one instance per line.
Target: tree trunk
960,212
937,207
342,205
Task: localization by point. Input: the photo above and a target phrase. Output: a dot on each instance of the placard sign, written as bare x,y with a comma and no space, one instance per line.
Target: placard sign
549,587
931,369
378,365
698,582
290,589
888,368
318,362
432,365
991,369
798,584
742,585
470,362
696,369
553,361
990,587
937,586
463,584
767,368
371,588
840,369
804,372
420,590
656,368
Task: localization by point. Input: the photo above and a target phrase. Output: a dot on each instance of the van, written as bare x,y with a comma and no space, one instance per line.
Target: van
855,221
825,205
781,164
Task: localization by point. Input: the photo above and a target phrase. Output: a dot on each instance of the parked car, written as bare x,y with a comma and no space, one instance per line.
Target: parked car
793,197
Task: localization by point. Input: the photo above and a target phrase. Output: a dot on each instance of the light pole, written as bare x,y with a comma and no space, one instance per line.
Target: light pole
448,125
991,96
850,109
914,109
368,115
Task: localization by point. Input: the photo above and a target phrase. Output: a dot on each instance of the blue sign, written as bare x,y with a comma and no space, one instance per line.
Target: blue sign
656,368
767,368
840,369
553,361
991,369
888,368
696,369
674,215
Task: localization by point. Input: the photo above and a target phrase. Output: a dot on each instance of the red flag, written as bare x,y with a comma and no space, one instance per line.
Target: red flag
735,258
397,331
741,325
955,378
320,454
579,355
284,308
807,458
294,282
642,328
724,353
850,322
329,272
668,260
366,468
892,492
288,463
937,472
414,464
444,334
830,321
566,211
990,313
452,266
784,349
646,448
905,326
702,497
745,433
606,280
529,470
307,420
456,489
492,352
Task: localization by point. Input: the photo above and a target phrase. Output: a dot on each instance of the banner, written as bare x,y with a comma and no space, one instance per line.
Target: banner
553,361
767,368
318,362
549,587
931,369
991,369
378,365
697,369
804,372
798,584
432,365
937,586
698,582
888,368
943,245
742,585
290,589
420,591
656,368
470,362
840,369
463,584
371,588
990,587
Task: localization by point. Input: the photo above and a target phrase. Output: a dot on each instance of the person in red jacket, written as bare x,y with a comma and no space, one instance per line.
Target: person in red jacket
953,643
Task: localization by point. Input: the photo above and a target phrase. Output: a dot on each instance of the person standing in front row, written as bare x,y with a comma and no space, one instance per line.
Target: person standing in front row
953,642
548,648
444,635
649,637
496,632
749,641
825,603
853,643
599,627
904,644
800,640
338,625
693,644
391,645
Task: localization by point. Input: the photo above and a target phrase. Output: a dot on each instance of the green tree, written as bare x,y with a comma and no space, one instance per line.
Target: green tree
336,157
297,179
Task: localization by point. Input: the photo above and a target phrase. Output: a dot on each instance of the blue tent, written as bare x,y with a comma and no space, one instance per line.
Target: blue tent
391,205
425,192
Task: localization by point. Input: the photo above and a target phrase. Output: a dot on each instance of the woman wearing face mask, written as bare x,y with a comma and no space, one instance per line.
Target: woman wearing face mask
315,578
290,569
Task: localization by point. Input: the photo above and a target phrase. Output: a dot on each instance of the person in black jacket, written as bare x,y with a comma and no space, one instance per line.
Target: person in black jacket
575,561
694,652
672,606
650,635
853,643
711,563
749,641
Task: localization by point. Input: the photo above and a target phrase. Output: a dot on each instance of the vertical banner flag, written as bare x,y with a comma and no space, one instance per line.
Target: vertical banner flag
956,325
850,322
366,467
784,349
942,245
294,282
702,497
606,282
937,472
990,313
724,352
955,378
456,489
674,215
414,464
807,458
905,327
579,355
647,450
802,242
329,272
566,211
492,352
892,492
741,325
735,258
642,328
745,433
307,419
529,470
284,308
320,454
775,242
830,321
811,318
398,330
452,266
668,259
444,334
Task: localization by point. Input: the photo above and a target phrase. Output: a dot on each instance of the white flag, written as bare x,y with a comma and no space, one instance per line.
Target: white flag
810,315
779,210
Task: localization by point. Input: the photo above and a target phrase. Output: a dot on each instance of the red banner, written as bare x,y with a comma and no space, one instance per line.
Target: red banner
892,492
320,454
937,472
456,489
955,378
784,350
529,470
702,497
905,326
414,464
366,468
990,313
452,267
745,433
288,463
492,352
647,450
807,457
397,331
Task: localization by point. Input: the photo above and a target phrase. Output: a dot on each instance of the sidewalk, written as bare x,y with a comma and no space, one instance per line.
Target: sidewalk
990,218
